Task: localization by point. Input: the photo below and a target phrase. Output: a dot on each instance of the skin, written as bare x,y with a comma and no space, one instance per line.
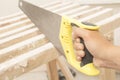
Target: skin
105,54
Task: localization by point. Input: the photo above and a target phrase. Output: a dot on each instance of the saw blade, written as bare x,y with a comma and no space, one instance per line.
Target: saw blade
47,22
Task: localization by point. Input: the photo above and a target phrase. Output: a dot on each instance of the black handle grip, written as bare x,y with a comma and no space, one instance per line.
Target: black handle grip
88,58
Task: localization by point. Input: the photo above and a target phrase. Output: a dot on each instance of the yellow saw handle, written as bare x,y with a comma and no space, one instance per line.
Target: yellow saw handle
86,65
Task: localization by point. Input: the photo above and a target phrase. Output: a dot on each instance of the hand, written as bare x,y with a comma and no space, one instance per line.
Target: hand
98,46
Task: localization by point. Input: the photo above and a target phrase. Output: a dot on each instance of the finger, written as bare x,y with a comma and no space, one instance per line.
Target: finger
79,32
78,46
75,33
80,53
78,58
77,40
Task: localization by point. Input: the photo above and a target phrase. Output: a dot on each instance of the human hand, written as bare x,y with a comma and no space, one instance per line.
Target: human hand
97,45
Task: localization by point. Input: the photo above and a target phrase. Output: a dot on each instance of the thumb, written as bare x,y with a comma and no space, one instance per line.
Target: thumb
80,32
98,62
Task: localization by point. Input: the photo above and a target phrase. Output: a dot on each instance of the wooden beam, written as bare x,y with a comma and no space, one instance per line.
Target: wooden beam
52,70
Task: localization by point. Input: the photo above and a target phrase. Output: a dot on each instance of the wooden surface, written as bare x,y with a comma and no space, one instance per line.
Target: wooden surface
23,47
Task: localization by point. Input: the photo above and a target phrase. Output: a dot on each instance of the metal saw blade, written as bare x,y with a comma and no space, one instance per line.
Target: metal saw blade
47,22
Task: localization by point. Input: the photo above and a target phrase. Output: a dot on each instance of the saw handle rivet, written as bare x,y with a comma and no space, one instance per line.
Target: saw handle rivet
67,51
62,37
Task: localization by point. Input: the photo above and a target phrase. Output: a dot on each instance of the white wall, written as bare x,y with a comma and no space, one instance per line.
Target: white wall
8,7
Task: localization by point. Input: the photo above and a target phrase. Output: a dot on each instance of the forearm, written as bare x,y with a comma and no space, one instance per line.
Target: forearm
105,54
114,57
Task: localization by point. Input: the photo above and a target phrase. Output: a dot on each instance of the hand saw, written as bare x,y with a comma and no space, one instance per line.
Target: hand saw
58,29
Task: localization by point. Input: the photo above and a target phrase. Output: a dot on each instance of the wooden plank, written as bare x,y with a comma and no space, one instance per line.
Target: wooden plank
16,36
101,17
14,26
59,6
30,61
110,23
51,4
86,11
52,70
109,19
11,16
20,44
74,10
94,16
110,27
22,50
66,8
12,20
14,31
